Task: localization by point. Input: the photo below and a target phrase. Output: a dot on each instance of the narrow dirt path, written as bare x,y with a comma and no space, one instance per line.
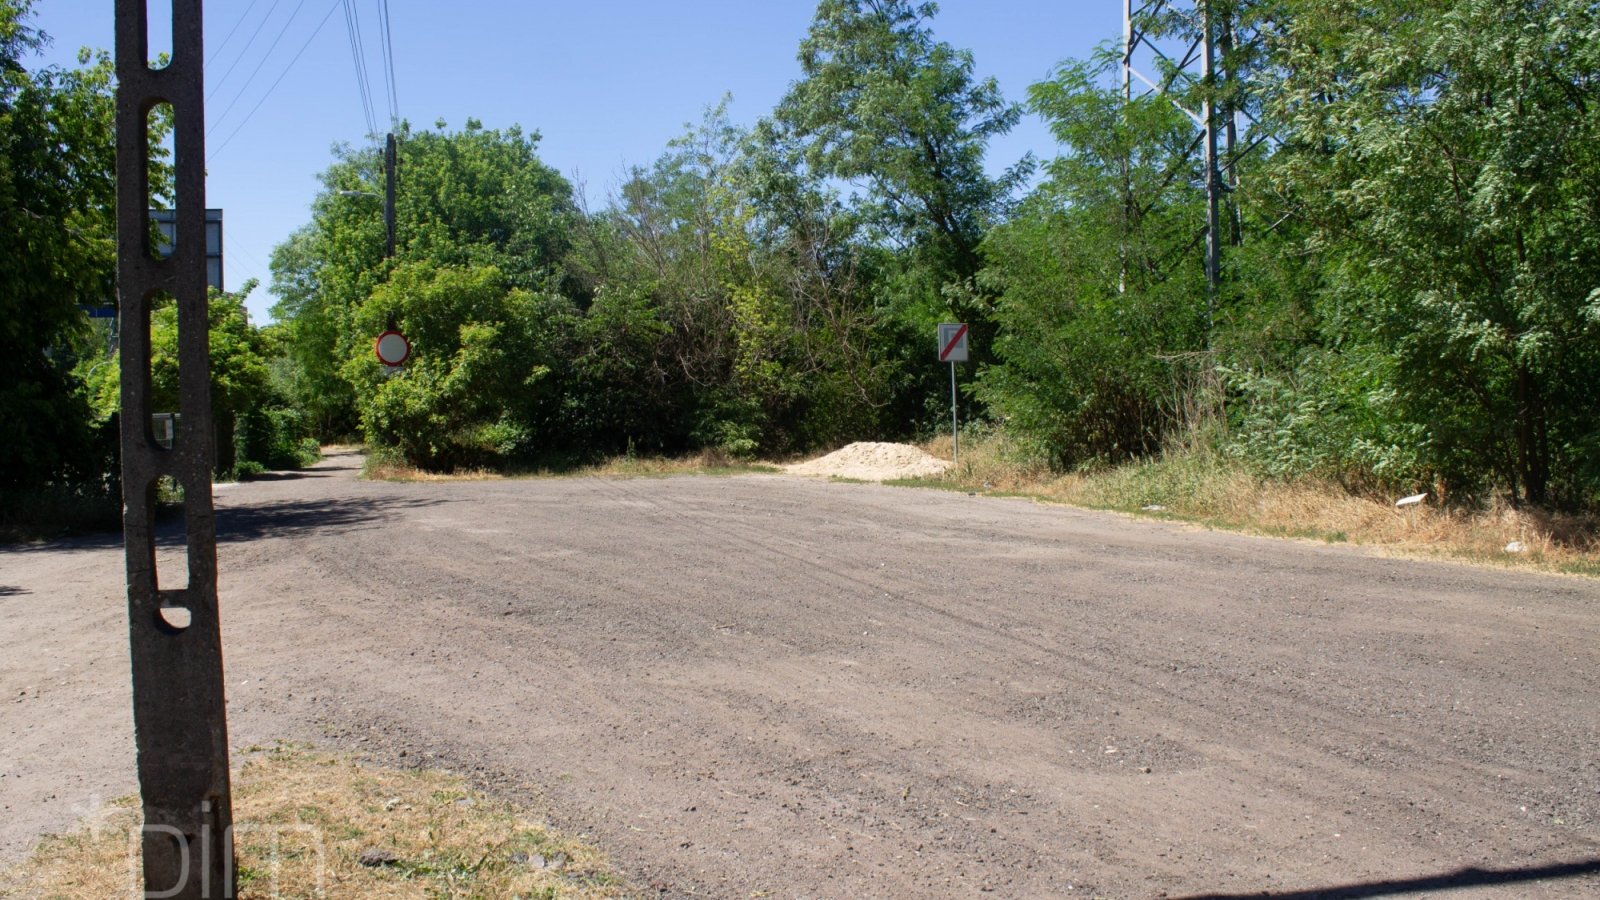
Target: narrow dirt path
773,684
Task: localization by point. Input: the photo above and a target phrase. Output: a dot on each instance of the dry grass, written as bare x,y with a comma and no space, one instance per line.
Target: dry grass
1198,486
706,462
399,471
390,466
303,820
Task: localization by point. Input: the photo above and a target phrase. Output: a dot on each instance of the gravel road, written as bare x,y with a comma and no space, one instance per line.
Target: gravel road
775,686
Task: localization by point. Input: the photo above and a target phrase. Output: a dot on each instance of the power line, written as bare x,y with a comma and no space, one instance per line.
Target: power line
253,72
243,50
361,43
358,55
219,48
286,71
388,57
366,76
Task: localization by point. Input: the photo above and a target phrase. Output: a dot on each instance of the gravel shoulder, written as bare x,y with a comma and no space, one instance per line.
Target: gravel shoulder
816,689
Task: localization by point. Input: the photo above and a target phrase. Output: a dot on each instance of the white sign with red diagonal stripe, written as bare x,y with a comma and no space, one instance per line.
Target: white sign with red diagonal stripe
952,342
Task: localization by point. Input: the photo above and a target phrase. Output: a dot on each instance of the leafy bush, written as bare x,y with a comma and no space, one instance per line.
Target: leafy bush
473,393
1097,320
1333,416
273,438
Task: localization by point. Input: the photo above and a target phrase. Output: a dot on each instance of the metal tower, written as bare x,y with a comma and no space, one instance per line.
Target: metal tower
1184,50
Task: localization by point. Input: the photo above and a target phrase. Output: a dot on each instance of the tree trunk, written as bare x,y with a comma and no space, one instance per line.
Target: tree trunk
1532,462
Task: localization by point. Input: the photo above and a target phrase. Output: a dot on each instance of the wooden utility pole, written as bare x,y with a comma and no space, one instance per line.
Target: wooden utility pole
389,157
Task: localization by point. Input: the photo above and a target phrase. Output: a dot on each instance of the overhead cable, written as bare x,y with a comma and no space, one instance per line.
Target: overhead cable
358,56
386,20
253,72
231,32
242,51
287,69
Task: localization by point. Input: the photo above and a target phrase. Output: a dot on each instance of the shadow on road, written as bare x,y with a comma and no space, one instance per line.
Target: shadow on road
8,591
1462,878
292,475
243,523
98,540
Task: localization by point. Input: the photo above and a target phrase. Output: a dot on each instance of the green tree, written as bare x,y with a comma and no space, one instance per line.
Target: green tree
482,197
885,107
480,357
1101,292
768,340
474,200
244,397
57,196
238,367
727,347
1446,155
311,322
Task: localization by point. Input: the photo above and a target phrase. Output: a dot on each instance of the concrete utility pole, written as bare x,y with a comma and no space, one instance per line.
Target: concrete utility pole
179,712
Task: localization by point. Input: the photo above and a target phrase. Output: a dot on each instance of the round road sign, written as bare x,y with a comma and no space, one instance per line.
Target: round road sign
392,348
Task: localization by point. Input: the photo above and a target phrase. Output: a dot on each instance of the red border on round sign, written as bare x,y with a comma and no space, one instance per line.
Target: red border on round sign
377,348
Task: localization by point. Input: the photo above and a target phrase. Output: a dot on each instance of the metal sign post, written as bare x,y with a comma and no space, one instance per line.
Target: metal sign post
179,714
953,349
955,427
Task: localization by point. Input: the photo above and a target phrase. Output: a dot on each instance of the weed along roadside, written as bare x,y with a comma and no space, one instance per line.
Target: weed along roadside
315,824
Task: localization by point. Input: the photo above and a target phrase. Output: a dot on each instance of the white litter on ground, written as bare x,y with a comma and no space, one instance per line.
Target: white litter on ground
872,461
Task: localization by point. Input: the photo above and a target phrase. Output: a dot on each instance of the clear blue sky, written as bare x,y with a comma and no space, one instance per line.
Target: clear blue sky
606,82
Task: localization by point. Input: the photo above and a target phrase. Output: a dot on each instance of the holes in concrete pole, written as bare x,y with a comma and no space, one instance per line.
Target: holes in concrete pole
159,185
159,28
163,381
175,618
172,561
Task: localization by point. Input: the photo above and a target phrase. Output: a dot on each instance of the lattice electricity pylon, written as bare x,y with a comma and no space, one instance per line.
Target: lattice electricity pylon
1188,51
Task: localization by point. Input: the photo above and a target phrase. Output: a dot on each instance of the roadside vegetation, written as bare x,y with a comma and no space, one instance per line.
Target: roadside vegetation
311,824
59,400
1193,484
390,466
1407,302
1200,486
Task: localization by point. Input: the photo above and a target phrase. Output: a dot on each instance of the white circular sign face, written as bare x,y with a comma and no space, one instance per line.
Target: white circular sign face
392,348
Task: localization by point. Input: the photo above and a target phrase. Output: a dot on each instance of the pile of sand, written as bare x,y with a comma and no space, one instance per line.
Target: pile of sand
872,461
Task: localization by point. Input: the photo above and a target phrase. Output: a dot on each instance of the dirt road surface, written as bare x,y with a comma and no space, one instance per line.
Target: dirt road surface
775,686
